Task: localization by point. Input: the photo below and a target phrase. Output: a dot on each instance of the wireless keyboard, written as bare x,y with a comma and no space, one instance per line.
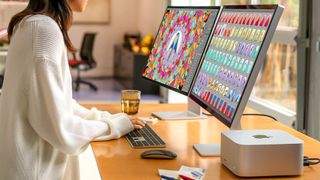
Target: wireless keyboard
144,138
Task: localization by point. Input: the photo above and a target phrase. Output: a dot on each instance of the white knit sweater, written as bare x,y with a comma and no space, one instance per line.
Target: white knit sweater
40,123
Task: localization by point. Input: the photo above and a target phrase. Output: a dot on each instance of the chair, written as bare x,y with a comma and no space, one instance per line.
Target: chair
86,62
1,81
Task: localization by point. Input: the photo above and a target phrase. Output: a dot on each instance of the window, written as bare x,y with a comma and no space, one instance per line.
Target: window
290,16
278,80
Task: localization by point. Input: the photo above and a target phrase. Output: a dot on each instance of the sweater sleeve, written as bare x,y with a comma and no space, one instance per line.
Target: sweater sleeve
117,122
85,113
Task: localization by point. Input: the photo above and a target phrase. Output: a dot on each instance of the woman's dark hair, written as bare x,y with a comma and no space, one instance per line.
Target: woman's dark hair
58,10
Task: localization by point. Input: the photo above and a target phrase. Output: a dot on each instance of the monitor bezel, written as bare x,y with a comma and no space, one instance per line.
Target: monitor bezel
235,121
218,8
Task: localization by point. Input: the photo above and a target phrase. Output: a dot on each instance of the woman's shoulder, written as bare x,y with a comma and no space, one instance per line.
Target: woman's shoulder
42,22
39,18
47,36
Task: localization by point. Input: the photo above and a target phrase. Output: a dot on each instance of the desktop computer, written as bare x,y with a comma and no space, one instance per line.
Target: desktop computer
268,152
232,62
177,51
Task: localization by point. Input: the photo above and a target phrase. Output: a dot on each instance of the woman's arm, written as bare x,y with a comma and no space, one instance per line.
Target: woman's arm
85,113
52,118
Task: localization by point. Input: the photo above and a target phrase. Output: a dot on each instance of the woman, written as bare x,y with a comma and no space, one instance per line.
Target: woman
40,123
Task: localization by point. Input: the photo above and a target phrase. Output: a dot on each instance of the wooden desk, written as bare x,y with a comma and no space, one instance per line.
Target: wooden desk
117,160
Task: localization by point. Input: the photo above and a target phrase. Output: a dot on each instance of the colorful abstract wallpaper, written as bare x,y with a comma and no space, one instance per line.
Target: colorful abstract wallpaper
174,48
230,58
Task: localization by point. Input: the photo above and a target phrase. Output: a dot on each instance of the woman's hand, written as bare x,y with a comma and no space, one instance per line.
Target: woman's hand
137,124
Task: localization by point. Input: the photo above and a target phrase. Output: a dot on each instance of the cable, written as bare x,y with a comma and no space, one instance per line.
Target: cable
310,161
265,115
207,114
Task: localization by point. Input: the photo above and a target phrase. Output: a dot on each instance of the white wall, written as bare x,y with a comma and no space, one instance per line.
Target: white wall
150,15
123,19
9,9
126,16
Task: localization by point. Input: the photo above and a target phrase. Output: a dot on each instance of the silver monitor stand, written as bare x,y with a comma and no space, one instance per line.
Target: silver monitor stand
208,150
193,113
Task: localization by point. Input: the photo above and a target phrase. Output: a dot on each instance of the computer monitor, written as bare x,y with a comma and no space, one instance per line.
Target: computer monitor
178,48
233,59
